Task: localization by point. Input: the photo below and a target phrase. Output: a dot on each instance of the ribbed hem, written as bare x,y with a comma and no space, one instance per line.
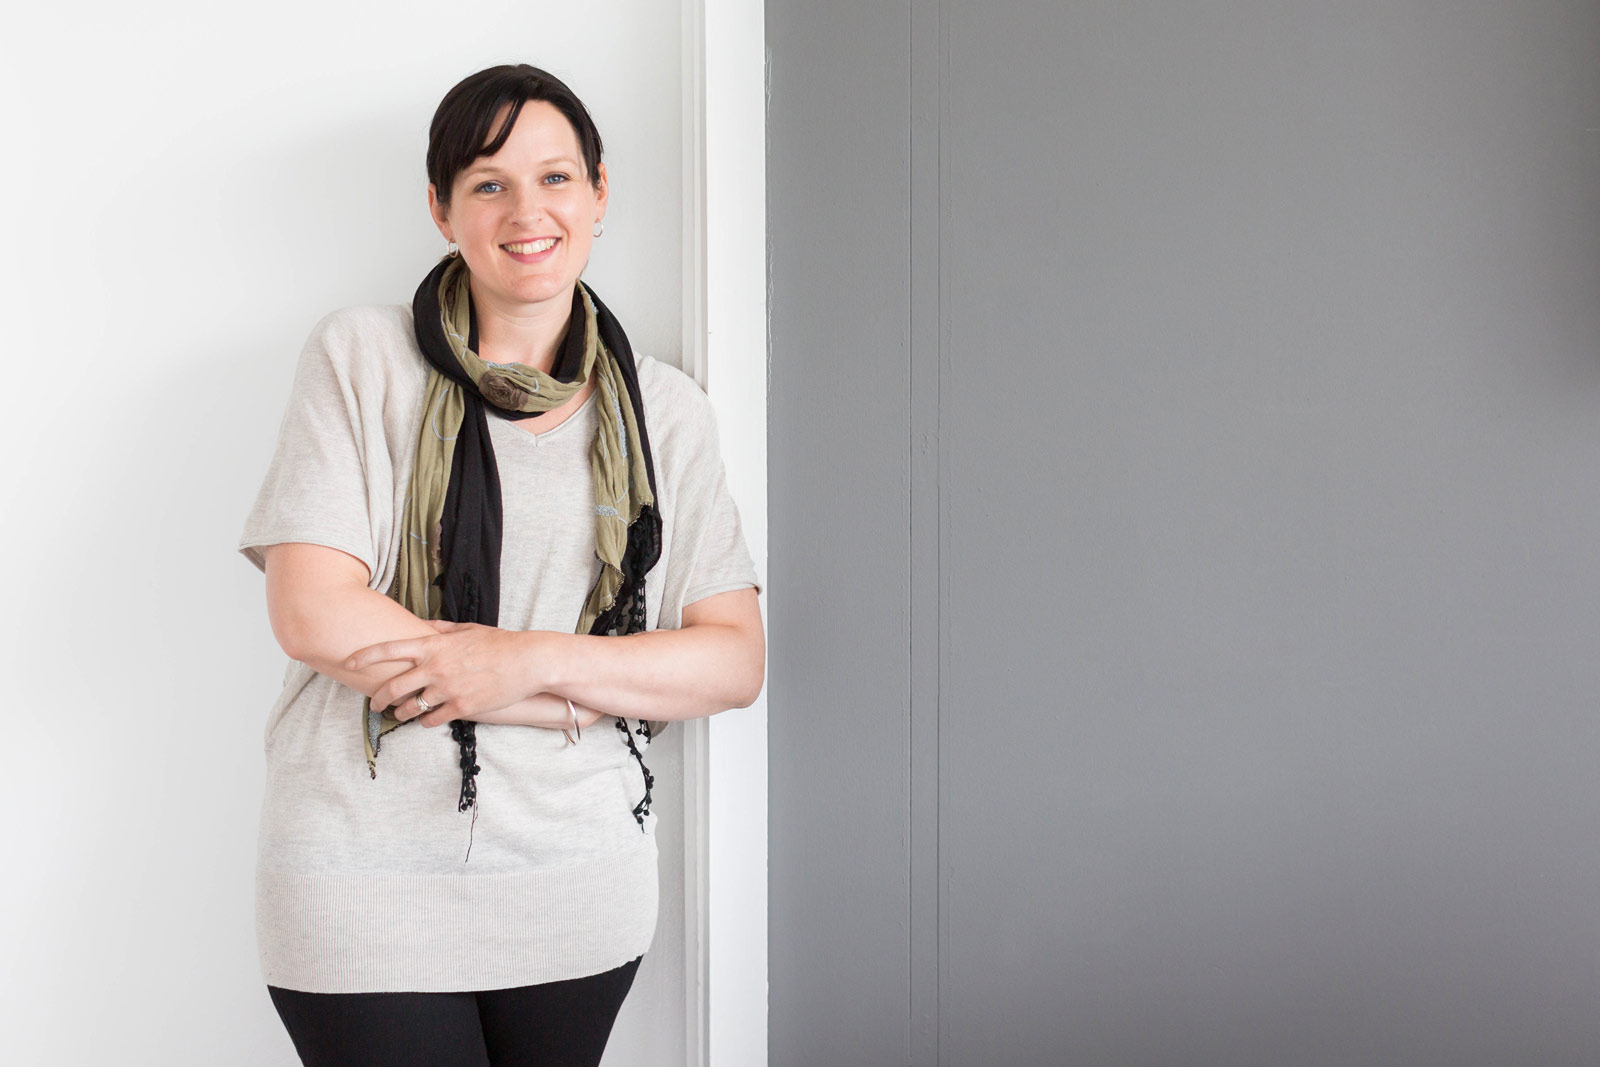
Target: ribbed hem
365,933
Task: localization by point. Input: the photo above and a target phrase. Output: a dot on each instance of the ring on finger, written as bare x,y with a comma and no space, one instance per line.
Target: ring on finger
422,705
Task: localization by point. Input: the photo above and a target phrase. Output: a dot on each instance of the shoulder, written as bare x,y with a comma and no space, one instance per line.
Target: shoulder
365,326
683,431
673,401
664,381
365,341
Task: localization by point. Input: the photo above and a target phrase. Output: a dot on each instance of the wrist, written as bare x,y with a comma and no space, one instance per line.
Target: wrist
542,658
565,663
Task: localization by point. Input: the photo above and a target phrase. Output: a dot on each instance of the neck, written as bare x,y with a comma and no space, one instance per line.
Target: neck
530,334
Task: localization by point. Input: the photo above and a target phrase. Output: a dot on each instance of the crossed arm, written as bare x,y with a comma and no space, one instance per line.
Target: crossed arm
324,615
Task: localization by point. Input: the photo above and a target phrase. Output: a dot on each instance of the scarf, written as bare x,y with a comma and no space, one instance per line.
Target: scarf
449,565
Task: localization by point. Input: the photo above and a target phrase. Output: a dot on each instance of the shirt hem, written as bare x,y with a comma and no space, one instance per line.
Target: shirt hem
377,932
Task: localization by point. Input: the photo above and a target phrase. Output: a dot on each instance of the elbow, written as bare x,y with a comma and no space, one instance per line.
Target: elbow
741,699
301,634
294,623
290,636
306,584
734,644
293,641
751,678
751,690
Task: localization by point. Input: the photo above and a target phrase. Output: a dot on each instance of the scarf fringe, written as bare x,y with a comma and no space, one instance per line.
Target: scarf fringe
451,535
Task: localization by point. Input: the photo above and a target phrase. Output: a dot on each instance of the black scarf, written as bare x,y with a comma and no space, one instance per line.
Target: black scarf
469,532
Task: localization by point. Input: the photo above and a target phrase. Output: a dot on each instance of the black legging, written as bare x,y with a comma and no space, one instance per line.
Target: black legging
555,1024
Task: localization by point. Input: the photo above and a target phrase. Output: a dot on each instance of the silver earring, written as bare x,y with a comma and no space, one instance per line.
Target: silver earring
599,227
450,249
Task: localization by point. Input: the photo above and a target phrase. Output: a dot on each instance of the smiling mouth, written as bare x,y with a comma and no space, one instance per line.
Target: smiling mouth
531,248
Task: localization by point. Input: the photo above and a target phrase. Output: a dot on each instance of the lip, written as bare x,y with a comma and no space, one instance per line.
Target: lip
534,257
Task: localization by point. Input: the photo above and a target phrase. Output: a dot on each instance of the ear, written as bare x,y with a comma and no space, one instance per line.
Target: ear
441,215
602,194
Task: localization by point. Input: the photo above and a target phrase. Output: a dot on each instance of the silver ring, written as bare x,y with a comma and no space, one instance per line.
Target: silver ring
422,705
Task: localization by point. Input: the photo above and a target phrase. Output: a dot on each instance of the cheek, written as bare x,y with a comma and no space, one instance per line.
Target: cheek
479,228
476,220
582,243
580,215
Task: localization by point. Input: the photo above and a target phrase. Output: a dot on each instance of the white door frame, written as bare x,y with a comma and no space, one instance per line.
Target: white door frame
725,350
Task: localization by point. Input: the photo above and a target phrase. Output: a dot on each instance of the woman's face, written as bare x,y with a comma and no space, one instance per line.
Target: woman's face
524,217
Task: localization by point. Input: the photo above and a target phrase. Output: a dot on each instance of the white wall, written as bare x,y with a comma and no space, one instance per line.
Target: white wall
736,379
191,186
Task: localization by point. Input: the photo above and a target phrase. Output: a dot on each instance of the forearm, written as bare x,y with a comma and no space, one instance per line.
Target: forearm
661,675
322,630
545,710
348,618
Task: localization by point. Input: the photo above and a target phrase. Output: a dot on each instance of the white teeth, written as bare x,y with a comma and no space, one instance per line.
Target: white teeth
528,248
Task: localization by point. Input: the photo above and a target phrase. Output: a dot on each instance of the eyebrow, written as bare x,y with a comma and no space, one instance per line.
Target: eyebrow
485,168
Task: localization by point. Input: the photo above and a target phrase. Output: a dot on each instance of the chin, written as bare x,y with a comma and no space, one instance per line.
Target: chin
533,290
543,293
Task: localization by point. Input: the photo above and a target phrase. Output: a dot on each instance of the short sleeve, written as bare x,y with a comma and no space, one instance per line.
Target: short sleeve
316,487
707,551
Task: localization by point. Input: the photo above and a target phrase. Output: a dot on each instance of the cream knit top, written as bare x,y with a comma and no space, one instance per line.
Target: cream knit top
361,884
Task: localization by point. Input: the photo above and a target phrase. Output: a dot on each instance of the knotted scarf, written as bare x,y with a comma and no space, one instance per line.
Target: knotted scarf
449,565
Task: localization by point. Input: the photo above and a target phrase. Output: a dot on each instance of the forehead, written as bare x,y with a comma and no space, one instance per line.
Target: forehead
541,131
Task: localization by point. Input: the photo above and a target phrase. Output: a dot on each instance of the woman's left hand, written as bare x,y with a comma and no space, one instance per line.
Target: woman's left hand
465,671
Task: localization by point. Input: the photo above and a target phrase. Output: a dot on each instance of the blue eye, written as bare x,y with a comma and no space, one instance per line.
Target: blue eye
485,185
558,177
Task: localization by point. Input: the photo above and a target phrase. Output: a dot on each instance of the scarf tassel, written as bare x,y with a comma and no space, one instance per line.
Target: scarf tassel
641,809
465,540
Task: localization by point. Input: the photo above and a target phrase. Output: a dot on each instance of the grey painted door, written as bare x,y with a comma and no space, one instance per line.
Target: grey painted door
1185,532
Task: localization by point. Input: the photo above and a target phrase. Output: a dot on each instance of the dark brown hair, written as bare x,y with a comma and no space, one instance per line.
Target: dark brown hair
459,132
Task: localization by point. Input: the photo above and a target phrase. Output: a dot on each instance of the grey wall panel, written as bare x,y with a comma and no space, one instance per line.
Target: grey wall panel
1274,589
1233,698
838,452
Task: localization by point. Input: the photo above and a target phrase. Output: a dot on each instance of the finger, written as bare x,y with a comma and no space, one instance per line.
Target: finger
413,706
437,715
438,712
383,652
398,688
444,626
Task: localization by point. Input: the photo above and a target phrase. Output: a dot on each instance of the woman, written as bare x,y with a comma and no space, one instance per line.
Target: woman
484,511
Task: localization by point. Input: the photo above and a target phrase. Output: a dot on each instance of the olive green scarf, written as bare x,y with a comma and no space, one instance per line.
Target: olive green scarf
452,442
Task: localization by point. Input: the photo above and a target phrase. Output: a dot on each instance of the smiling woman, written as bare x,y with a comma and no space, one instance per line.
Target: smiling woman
524,218
485,512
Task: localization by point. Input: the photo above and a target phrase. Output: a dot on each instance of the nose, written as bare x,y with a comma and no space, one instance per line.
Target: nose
529,206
